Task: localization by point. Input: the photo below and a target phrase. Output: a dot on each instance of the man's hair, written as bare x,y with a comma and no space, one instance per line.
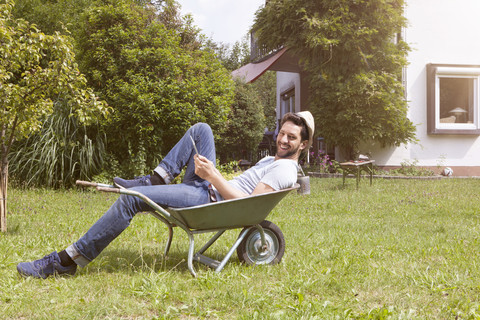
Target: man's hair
297,120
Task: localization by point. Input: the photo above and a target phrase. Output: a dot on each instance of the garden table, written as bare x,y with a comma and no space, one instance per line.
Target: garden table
355,167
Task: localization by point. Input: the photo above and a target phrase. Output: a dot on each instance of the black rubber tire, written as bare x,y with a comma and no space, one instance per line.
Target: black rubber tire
249,249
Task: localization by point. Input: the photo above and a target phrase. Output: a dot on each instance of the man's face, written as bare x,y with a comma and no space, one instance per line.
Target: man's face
289,141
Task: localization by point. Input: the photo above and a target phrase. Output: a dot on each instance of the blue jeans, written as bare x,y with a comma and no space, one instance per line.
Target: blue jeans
192,191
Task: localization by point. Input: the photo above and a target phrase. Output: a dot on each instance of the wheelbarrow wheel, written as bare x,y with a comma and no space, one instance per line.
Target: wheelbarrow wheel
250,250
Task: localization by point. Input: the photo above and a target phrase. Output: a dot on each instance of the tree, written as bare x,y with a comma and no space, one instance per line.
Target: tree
149,63
264,102
245,125
34,67
353,63
53,16
232,57
157,80
265,86
239,55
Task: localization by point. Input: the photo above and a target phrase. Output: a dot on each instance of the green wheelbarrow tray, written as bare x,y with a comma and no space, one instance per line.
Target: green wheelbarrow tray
260,241
229,214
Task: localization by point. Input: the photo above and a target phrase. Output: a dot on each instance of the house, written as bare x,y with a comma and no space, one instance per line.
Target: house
442,85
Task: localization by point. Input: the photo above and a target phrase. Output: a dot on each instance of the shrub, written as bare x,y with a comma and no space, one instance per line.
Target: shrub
63,151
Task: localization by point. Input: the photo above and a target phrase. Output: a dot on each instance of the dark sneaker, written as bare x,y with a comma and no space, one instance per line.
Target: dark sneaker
137,182
45,267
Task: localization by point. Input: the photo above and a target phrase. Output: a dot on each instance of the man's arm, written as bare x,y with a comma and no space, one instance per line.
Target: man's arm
205,169
262,188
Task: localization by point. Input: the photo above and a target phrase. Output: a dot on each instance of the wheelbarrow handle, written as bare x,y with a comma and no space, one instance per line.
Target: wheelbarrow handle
108,189
86,183
93,184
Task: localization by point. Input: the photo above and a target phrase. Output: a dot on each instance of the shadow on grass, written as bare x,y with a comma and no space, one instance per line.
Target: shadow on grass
126,260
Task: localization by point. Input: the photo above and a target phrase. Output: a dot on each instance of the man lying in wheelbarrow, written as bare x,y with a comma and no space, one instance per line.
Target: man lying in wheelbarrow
202,184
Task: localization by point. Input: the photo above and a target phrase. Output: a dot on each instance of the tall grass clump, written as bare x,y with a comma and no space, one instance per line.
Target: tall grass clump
63,151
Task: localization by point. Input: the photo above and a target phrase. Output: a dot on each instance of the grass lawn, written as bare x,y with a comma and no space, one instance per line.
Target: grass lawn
404,249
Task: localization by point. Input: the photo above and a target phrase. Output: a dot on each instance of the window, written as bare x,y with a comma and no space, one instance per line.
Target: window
287,102
453,99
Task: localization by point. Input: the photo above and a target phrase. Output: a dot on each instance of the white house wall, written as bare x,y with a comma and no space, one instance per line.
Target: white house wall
439,32
287,81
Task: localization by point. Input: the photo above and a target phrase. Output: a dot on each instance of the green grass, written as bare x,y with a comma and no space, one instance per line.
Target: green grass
400,249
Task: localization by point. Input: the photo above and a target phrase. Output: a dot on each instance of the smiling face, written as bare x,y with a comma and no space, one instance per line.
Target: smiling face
289,142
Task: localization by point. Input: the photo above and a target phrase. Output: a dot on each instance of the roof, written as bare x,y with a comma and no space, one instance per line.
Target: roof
281,60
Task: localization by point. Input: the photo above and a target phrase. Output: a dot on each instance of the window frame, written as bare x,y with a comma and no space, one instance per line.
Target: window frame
287,98
434,73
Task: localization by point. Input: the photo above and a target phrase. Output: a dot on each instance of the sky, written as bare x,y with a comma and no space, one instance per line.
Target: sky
225,21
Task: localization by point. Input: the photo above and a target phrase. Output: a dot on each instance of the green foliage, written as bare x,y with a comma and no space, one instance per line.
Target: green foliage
245,125
322,163
368,106
63,151
355,66
266,89
237,56
35,67
52,16
158,74
410,168
229,170
156,80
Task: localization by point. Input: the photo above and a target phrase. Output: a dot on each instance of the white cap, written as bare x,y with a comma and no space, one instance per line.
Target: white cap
307,116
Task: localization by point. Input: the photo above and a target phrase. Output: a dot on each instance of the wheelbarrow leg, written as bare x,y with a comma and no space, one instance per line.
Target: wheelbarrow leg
191,248
169,241
170,230
232,250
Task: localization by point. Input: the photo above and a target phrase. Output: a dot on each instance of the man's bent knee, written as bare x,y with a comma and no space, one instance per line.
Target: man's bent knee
202,128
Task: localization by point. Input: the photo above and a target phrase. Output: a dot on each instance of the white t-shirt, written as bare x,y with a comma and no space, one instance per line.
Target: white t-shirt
279,174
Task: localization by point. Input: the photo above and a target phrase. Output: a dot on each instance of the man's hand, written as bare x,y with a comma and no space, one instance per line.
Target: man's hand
205,168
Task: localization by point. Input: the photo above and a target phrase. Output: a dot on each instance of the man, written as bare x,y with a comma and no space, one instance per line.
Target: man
202,183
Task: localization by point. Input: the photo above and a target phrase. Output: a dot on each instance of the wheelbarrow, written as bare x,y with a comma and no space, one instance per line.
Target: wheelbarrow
259,242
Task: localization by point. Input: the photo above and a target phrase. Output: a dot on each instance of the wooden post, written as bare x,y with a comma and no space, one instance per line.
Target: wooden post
3,198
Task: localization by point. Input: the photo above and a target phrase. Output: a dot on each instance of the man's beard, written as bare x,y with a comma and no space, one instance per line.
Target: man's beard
288,154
